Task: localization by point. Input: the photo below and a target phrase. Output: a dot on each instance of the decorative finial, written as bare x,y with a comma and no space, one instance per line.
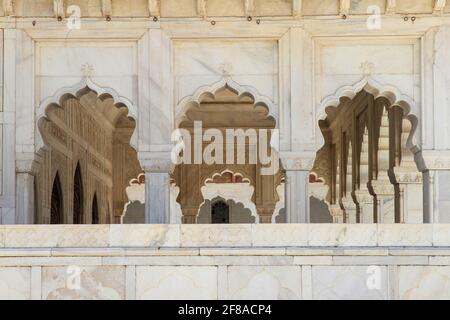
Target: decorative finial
226,68
367,67
87,70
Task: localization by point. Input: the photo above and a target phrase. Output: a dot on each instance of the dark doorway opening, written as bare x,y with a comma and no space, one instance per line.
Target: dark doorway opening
56,202
220,212
78,197
95,210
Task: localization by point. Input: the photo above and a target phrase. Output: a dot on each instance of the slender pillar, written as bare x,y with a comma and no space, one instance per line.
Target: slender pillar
436,186
337,213
157,197
25,198
297,197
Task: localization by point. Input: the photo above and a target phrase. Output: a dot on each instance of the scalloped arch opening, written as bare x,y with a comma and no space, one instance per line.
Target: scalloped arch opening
96,127
227,108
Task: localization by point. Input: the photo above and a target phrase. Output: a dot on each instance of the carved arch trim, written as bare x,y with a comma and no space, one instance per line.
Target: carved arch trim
378,90
76,91
211,190
240,90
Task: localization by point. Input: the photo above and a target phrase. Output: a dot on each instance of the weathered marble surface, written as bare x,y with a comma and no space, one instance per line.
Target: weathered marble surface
180,283
226,236
226,262
346,282
266,283
427,282
15,283
95,282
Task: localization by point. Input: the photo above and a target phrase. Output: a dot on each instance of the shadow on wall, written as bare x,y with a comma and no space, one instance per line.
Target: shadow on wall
135,213
237,213
319,211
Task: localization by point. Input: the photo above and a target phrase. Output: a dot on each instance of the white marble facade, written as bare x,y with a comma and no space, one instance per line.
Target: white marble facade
185,262
298,62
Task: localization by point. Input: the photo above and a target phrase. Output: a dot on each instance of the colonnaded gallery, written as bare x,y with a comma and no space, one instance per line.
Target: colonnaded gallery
225,149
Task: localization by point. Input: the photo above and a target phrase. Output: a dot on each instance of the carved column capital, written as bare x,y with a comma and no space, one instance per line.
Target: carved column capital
336,213
405,176
297,161
158,165
189,215
156,161
363,197
435,160
382,187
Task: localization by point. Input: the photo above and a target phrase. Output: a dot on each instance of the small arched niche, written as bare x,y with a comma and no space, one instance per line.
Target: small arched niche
56,202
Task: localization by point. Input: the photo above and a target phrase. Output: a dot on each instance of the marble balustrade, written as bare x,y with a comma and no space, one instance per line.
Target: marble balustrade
295,261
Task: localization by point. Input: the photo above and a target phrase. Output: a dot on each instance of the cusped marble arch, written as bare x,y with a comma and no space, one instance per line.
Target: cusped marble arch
242,91
76,91
378,90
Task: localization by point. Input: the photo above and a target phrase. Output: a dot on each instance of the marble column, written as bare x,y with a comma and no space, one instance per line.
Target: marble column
432,193
337,213
297,196
157,197
436,184
411,200
25,198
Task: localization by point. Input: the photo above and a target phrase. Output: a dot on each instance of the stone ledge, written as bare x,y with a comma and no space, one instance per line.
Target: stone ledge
287,236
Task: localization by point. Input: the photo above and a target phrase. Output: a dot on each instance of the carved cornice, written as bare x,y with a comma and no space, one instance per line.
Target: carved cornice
201,8
439,6
58,8
391,6
344,7
154,8
296,8
8,7
249,7
106,8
